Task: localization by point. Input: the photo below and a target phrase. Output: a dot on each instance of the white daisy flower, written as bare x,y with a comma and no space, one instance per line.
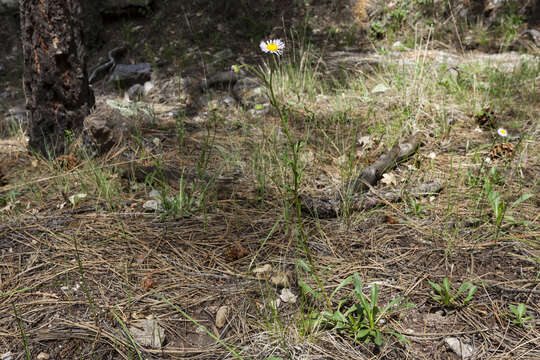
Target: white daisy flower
502,132
272,46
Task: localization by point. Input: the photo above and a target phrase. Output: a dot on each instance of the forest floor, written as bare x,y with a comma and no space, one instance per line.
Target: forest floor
189,240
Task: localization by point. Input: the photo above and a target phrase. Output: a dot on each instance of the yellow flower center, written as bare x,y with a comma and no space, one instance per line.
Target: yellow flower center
272,47
503,132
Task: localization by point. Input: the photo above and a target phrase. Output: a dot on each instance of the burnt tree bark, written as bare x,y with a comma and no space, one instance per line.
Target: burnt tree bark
58,96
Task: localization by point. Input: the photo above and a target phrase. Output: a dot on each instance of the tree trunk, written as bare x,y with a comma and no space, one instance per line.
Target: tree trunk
58,96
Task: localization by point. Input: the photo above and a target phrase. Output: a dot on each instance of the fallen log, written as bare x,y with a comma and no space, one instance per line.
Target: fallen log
363,195
398,153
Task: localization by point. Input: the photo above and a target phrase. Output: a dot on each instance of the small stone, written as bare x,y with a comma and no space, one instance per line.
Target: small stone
6,356
221,316
148,87
229,100
287,296
135,92
461,349
43,356
153,205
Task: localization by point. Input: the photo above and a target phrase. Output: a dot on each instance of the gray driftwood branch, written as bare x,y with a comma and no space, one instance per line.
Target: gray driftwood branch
361,195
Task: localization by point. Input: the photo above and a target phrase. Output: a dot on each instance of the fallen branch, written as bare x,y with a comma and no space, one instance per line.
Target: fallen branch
373,173
330,206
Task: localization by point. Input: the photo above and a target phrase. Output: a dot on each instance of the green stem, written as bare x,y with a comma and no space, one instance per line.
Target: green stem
296,183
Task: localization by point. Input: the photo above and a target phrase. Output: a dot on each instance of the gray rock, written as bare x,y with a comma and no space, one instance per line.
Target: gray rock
135,92
109,126
463,350
249,92
148,87
126,75
534,35
153,205
229,100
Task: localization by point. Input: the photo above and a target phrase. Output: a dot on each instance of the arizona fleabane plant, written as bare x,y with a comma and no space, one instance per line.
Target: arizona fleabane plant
502,132
272,46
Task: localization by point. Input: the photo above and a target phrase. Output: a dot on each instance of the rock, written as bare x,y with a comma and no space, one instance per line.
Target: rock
135,92
153,205
287,296
262,271
534,35
229,101
461,349
119,7
139,110
43,356
125,75
148,333
106,128
249,92
221,316
284,278
148,87
6,356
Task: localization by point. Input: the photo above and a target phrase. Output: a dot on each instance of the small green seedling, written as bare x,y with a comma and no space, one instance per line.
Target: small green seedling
446,298
362,319
518,313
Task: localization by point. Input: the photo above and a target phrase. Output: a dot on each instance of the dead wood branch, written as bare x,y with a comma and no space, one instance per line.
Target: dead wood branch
330,206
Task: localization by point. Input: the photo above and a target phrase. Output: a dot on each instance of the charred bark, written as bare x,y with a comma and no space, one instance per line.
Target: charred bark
58,96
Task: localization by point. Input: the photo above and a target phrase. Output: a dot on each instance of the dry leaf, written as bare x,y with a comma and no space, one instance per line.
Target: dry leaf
148,333
149,283
389,179
263,271
67,162
235,252
366,142
283,278
390,220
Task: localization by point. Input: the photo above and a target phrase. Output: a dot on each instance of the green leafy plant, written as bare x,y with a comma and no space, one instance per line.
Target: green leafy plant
416,207
361,320
446,297
518,314
499,206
